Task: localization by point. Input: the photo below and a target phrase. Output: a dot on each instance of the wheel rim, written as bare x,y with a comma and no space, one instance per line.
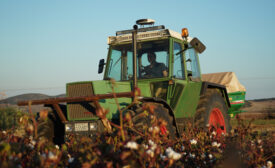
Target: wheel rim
216,120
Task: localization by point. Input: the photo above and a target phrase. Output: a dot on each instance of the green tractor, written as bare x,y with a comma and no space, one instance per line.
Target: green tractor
162,67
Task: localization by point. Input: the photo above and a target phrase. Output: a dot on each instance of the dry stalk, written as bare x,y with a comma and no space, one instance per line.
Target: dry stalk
118,107
33,119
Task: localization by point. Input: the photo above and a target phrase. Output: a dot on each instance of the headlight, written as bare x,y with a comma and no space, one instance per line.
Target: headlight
93,126
69,127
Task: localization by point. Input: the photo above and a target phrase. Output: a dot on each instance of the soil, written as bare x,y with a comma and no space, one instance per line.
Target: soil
259,109
261,114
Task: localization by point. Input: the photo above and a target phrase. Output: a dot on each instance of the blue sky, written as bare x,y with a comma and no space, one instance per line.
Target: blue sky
46,44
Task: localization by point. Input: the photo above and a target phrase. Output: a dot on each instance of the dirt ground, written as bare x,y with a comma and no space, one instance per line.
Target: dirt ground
259,109
261,113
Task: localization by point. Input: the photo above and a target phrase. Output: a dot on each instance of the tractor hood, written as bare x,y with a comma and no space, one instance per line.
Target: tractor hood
86,110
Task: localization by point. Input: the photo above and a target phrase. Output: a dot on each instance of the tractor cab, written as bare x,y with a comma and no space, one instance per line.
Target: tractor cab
163,57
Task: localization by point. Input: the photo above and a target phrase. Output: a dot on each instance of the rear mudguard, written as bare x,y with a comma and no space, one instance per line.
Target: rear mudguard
221,88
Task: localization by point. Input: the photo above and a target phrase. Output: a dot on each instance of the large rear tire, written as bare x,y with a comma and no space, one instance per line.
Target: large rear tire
212,113
142,119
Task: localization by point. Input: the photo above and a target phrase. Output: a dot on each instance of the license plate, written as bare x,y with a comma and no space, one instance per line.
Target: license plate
81,127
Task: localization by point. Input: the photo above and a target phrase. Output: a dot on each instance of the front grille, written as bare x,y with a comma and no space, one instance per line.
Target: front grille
80,110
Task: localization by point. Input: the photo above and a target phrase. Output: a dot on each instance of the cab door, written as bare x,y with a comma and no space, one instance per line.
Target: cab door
185,93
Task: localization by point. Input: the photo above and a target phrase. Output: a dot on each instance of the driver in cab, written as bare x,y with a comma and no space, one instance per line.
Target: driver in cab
155,69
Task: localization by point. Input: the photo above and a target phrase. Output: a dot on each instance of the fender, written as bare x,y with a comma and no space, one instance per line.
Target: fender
165,104
221,88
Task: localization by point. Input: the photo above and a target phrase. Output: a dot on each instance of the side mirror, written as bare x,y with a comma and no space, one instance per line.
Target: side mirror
199,46
101,66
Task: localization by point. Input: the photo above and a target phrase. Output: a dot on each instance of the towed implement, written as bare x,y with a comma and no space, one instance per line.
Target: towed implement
152,66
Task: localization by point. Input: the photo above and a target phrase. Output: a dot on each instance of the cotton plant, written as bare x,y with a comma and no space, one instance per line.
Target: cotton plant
193,142
171,154
196,148
132,145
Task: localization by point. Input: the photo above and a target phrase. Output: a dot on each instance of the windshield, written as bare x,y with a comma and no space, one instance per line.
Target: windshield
152,60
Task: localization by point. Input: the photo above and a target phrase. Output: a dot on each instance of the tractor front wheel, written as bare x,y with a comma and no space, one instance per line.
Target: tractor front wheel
154,113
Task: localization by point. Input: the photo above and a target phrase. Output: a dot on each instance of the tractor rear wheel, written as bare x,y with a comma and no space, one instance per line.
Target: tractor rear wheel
143,119
212,113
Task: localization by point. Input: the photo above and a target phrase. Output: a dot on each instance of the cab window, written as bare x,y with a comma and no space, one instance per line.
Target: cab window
120,63
178,71
153,59
192,66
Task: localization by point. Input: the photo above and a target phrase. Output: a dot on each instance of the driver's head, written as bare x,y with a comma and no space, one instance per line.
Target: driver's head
151,57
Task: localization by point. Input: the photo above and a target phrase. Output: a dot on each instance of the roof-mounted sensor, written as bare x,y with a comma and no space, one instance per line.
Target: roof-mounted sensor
145,22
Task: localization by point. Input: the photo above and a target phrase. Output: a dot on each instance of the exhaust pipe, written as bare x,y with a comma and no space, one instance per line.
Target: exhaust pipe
134,48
